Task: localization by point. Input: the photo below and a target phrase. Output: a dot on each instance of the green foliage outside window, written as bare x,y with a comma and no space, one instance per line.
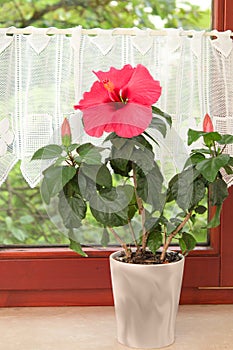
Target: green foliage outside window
23,218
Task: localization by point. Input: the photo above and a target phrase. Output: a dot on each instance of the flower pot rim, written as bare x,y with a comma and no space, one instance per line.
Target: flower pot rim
111,257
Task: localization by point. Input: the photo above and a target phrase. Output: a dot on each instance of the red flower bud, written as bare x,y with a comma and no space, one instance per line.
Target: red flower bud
66,133
207,124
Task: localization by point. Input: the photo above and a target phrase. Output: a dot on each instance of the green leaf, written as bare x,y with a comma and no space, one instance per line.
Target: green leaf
158,124
230,162
18,233
116,140
228,169
55,178
194,159
105,238
155,240
167,117
211,137
201,150
9,222
187,242
149,188
121,166
97,173
226,139
72,147
110,208
201,209
142,142
186,189
76,247
45,195
215,221
144,159
194,135
26,219
209,168
120,158
218,192
72,210
48,152
86,185
89,153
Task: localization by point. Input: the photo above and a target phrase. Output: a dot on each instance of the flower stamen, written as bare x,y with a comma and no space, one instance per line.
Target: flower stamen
108,85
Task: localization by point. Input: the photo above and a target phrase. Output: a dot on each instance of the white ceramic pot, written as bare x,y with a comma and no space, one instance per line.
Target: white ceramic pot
146,299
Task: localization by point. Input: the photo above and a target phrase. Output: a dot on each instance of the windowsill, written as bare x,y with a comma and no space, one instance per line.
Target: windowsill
87,328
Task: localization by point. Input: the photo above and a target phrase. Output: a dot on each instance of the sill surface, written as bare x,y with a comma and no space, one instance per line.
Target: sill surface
198,327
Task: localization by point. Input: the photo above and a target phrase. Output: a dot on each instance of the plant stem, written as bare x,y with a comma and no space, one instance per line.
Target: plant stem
223,149
173,234
133,234
141,211
123,244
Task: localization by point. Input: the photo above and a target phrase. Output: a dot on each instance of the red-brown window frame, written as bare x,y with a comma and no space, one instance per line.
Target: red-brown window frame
58,276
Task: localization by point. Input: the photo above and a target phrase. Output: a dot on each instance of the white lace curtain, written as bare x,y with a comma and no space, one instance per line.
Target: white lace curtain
44,72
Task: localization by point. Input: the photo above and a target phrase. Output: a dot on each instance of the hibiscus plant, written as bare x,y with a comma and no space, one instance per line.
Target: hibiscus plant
121,181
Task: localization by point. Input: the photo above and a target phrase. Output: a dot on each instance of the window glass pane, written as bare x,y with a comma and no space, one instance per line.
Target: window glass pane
23,217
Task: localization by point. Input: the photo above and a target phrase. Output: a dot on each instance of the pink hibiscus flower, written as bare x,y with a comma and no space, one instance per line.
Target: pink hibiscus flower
120,102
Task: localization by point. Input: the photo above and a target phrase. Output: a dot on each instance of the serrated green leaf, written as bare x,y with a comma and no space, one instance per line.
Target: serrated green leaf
215,220
158,124
194,135
228,169
201,150
209,168
230,162
89,153
72,210
189,241
97,173
149,188
194,159
48,152
73,147
167,117
76,247
201,209
182,245
110,208
55,178
226,139
154,241
218,192
211,137
186,189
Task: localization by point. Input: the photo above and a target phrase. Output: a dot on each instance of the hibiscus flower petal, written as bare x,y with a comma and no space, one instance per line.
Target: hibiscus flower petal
131,120
126,120
98,119
142,88
119,77
97,95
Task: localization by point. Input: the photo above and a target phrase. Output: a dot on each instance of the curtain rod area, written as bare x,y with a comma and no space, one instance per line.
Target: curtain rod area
96,31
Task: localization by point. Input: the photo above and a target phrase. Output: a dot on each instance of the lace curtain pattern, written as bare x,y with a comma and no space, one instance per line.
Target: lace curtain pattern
43,75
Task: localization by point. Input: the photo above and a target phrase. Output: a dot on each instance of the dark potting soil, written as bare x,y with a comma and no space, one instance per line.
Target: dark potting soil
149,258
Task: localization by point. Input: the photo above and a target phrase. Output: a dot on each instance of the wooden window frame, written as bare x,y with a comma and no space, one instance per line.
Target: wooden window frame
59,277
